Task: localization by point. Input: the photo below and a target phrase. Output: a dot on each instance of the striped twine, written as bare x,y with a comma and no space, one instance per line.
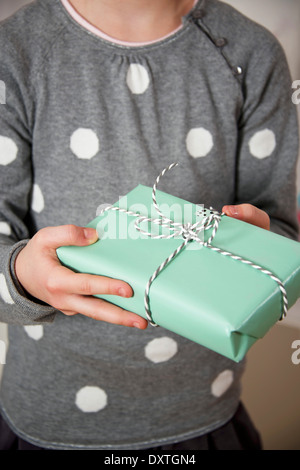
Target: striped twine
189,232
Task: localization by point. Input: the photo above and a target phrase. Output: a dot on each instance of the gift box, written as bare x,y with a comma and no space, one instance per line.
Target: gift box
225,287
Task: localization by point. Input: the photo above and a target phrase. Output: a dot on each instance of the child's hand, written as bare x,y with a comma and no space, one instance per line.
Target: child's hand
42,276
248,213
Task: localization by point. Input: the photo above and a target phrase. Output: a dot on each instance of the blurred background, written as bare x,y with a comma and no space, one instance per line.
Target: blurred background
271,384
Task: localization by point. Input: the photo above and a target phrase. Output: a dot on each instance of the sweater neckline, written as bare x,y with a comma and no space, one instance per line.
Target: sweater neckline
96,32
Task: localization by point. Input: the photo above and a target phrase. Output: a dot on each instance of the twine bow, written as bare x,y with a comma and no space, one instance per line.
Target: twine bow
189,232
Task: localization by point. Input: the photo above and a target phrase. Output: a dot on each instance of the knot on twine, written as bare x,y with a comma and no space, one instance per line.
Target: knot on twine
189,232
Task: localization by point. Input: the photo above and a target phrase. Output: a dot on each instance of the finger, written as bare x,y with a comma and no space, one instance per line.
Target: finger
64,235
64,280
102,310
248,213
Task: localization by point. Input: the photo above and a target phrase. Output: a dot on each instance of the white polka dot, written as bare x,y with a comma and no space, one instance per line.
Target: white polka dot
84,143
4,292
91,399
8,150
262,144
161,349
222,383
5,228
35,332
199,142
137,79
37,203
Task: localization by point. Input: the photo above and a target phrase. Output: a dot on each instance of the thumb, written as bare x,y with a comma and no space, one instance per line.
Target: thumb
64,235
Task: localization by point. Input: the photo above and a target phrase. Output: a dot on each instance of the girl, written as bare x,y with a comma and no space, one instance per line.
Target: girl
101,96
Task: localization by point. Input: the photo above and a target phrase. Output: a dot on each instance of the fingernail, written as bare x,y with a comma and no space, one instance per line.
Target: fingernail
233,211
122,292
90,233
136,325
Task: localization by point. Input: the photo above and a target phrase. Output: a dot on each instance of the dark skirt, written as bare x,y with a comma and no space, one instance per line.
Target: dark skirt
237,434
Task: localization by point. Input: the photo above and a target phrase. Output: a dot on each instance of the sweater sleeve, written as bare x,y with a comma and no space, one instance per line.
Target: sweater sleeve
268,144
16,307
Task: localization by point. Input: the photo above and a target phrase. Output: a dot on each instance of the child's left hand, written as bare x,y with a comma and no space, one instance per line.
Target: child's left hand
248,213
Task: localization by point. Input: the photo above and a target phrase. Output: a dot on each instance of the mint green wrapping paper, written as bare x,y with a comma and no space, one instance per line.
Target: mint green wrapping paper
207,297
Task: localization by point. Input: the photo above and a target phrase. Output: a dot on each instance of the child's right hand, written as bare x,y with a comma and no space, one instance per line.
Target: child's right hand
41,274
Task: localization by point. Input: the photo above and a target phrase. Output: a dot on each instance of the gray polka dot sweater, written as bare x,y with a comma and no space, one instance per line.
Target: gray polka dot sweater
87,119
